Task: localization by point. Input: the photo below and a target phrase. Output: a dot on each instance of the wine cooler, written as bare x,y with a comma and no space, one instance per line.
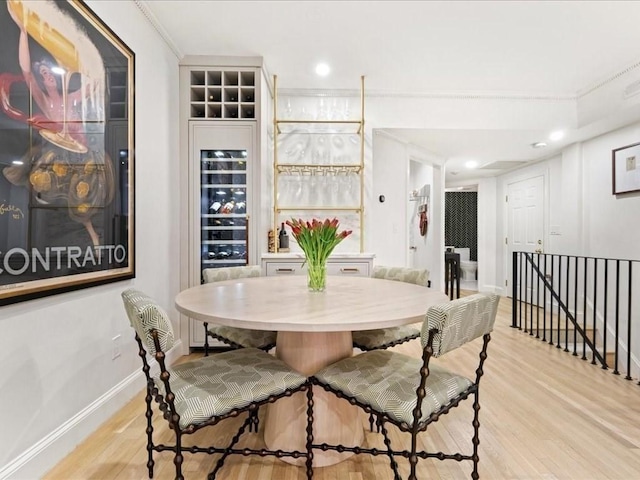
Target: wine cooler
222,192
223,208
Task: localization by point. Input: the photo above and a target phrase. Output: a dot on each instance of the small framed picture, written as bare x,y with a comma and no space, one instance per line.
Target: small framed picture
626,169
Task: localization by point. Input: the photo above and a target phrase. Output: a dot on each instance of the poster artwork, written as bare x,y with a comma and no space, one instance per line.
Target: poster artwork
66,139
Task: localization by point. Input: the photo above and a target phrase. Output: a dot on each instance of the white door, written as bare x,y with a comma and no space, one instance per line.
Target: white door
525,224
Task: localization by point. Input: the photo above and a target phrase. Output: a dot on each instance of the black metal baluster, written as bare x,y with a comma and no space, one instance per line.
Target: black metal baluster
566,302
538,300
628,377
523,298
526,287
514,290
544,303
531,298
559,338
552,282
617,329
595,310
575,309
605,314
584,311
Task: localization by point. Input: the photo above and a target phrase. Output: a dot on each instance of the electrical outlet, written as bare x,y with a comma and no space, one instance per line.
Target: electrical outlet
115,352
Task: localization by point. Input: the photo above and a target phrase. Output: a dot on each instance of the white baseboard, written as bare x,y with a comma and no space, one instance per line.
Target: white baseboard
46,453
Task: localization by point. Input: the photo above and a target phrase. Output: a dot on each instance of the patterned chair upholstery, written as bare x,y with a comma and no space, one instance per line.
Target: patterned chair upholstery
232,336
388,337
411,393
204,392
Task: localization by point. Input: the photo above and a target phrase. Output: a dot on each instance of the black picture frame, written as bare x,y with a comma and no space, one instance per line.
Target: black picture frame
626,169
66,150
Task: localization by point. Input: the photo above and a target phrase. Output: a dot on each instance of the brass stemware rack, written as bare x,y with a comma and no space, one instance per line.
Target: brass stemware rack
320,167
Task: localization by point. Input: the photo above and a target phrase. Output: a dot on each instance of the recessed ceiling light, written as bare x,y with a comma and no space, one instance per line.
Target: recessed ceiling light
471,164
323,69
557,135
538,145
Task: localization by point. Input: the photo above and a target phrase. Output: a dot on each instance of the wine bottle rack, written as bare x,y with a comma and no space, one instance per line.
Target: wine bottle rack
222,94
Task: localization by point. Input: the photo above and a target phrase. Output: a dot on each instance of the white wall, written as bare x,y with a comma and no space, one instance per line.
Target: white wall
611,226
388,237
489,248
58,381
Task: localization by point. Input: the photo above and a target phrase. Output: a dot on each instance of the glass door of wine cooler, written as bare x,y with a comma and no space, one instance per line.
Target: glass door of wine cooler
223,208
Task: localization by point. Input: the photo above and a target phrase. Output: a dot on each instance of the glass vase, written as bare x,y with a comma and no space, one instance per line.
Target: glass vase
316,277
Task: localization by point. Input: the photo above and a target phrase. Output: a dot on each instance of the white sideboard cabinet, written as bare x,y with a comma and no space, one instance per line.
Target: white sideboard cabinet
356,264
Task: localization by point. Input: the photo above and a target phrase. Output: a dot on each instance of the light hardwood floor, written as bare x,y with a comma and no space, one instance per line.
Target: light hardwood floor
545,415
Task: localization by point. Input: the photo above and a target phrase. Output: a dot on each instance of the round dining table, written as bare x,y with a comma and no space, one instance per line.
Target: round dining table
314,330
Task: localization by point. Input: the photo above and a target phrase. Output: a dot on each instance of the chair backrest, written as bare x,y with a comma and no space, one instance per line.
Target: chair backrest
459,321
146,315
210,275
402,274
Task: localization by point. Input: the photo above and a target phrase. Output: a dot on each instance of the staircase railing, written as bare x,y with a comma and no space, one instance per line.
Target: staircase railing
584,304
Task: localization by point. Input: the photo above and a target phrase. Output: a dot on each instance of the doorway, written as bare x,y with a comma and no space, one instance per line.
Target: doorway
461,232
525,224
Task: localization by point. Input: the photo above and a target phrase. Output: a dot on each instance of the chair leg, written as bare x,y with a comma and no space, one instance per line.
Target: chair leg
476,436
228,450
178,458
413,458
149,430
371,421
387,442
255,420
206,339
309,462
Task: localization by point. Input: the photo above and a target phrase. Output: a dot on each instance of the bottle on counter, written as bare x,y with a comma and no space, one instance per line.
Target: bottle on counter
283,239
271,241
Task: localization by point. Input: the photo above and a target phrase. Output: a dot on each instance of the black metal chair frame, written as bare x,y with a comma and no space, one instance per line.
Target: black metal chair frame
384,346
167,407
232,345
417,426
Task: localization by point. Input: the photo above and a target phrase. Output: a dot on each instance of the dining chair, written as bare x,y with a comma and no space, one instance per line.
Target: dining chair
412,393
388,337
204,392
233,336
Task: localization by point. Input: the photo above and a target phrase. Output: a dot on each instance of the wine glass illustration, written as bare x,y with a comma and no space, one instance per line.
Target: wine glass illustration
66,167
64,112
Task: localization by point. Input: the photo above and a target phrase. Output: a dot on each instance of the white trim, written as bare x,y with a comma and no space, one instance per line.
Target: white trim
157,26
46,453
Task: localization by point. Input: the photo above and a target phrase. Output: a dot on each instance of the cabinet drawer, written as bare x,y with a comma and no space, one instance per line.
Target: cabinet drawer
359,269
351,268
284,268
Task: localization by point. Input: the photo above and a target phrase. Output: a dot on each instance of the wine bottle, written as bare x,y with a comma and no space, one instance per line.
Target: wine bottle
283,238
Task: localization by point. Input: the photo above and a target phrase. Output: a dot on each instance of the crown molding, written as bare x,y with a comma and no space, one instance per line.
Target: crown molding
590,89
309,92
151,18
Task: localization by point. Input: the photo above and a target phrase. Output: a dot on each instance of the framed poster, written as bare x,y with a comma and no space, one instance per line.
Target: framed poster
66,150
626,169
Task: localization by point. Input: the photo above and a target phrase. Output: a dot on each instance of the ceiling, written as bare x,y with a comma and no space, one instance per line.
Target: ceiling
550,49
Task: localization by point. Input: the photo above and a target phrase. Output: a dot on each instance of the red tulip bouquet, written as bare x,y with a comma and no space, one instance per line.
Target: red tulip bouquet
317,239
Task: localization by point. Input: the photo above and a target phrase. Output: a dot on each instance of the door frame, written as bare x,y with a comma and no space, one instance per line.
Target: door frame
506,181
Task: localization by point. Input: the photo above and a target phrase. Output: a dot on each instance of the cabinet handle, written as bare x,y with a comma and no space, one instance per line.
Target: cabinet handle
285,270
349,270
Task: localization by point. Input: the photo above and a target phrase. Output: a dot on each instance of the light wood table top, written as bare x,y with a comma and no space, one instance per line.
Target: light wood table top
286,304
